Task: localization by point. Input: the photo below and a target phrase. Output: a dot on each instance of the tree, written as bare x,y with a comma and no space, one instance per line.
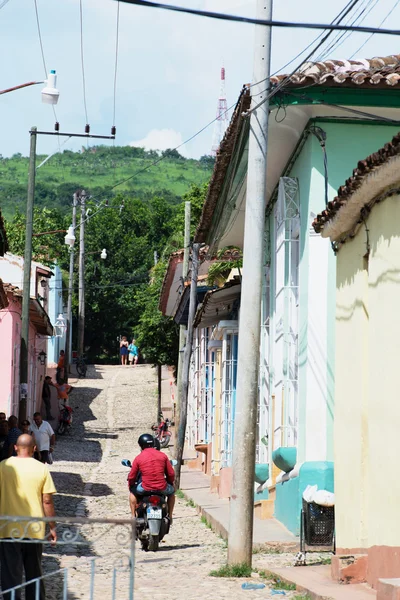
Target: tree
45,248
172,153
208,161
158,336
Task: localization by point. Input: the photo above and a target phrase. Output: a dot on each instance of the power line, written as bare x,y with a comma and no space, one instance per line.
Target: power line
360,18
116,61
266,23
380,25
40,37
343,13
41,48
82,60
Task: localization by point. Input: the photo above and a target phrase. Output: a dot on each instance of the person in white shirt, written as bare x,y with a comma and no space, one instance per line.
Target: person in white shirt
44,436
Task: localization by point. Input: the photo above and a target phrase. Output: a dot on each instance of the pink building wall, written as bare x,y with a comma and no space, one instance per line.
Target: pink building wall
10,339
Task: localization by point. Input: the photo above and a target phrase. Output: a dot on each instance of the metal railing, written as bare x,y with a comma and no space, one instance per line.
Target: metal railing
94,555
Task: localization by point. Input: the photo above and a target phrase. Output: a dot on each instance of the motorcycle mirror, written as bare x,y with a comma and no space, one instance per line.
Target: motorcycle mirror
126,462
174,462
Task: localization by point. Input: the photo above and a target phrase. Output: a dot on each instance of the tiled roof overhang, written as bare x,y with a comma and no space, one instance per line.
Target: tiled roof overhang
381,72
364,171
38,317
217,304
223,159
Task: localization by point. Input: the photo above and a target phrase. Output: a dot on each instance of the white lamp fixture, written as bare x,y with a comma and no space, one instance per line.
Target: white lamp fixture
70,237
103,254
60,326
50,93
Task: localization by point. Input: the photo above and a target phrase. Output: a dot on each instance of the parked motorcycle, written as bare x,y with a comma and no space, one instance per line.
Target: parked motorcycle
152,522
162,434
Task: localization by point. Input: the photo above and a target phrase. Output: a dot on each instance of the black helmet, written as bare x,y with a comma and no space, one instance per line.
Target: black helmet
146,441
157,444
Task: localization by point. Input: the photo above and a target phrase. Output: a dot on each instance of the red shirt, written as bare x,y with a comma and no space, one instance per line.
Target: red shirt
155,468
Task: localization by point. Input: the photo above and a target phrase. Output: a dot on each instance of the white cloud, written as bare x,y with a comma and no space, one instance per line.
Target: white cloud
161,139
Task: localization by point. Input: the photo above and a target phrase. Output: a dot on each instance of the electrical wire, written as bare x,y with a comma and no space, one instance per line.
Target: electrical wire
42,49
380,25
359,19
351,21
343,13
40,37
82,60
263,22
116,61
3,3
115,89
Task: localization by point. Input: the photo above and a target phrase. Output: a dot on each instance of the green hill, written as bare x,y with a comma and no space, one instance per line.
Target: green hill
97,170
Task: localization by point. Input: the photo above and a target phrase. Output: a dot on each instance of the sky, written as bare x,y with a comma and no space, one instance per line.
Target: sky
168,66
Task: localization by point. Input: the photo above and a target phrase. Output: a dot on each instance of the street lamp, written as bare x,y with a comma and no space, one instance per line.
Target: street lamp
42,357
60,326
50,93
103,254
69,239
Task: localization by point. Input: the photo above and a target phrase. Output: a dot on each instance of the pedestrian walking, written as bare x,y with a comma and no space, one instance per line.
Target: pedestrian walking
123,350
133,353
26,490
13,434
45,438
46,397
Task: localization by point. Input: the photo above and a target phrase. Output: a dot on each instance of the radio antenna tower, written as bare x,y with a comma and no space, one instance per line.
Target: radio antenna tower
222,116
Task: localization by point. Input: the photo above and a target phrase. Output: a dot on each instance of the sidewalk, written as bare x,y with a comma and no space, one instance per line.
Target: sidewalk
316,582
267,533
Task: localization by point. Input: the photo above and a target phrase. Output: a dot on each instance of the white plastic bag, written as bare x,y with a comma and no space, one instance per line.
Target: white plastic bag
324,498
309,493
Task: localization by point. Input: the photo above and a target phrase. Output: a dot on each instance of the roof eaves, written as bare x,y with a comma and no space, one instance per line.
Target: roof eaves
380,71
364,170
222,162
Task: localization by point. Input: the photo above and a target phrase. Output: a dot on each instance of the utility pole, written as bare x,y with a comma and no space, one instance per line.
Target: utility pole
26,290
68,334
182,328
81,309
241,508
186,364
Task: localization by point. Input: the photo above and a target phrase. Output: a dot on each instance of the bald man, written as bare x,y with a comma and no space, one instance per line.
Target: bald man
26,490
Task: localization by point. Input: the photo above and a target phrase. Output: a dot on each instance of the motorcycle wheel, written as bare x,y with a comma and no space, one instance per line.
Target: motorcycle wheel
61,428
164,442
145,545
153,543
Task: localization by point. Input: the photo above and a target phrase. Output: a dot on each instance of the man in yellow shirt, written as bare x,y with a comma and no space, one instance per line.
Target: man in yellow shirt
26,490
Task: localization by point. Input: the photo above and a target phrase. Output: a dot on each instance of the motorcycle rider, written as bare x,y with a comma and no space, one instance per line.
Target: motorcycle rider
156,472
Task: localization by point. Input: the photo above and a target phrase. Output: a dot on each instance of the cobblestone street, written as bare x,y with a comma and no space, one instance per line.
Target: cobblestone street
112,407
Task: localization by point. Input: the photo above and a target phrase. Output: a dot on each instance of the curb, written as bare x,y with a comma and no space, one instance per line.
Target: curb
219,529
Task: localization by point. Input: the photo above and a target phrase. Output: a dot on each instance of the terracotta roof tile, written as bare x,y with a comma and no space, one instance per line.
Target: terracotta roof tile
353,183
380,71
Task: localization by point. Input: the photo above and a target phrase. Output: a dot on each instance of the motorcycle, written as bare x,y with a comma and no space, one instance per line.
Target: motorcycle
161,431
64,419
152,522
